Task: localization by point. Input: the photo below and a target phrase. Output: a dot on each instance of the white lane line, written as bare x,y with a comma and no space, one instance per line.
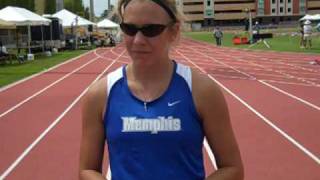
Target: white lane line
108,176
107,58
205,142
210,153
294,65
290,83
44,89
45,132
264,83
35,75
284,73
266,120
291,95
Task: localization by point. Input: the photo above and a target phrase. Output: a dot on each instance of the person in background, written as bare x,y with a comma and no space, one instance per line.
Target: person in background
318,27
302,41
154,112
217,33
3,50
256,28
307,32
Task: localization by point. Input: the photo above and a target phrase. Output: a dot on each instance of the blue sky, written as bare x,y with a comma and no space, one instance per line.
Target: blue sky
99,5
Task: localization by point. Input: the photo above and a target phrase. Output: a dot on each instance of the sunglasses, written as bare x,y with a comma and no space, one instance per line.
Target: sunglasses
148,30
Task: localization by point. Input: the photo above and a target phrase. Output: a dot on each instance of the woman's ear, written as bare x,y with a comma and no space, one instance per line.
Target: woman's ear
175,32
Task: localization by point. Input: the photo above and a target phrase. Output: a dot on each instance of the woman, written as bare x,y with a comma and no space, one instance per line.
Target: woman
157,111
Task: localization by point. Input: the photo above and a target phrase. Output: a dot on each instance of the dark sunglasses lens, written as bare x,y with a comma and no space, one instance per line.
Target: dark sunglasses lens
129,29
152,30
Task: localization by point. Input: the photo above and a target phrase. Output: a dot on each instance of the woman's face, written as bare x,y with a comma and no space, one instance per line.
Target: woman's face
145,49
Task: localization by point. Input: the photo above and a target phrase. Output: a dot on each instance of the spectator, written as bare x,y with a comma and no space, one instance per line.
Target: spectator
307,32
302,41
256,28
3,50
318,27
218,35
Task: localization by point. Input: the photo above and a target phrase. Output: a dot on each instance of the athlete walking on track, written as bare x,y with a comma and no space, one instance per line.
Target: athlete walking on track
154,113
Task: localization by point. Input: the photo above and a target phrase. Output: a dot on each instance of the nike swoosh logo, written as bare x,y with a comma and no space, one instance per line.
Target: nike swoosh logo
173,103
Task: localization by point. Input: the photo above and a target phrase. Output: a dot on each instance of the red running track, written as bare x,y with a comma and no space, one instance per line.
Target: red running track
273,99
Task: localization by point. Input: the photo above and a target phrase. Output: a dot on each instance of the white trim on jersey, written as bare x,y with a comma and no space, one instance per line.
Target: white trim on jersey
113,77
185,72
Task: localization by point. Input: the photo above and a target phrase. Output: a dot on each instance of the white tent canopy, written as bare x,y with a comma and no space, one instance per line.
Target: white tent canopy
6,24
106,23
69,19
310,17
22,17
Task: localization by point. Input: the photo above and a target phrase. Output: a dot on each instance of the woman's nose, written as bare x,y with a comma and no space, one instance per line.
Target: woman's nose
139,38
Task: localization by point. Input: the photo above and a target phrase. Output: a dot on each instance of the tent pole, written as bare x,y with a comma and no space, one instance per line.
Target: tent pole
51,29
42,38
76,30
17,41
29,38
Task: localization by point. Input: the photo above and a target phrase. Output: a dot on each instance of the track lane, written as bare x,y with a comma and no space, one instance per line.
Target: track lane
313,165
262,168
19,92
61,144
32,161
29,120
308,93
293,117
266,154
312,123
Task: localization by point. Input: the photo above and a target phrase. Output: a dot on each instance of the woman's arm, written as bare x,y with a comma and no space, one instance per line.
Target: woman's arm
213,110
93,136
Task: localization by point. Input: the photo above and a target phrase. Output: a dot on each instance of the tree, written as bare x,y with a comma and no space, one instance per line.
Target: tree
28,4
87,13
75,6
50,7
107,12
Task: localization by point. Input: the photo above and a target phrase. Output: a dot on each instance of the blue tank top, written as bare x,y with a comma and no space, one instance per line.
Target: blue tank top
162,141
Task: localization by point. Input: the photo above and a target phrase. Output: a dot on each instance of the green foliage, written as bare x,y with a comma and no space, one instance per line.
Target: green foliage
87,13
28,4
50,7
14,72
75,6
107,12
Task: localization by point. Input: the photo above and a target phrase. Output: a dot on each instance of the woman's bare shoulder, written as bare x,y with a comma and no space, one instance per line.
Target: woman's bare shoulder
98,88
207,95
203,85
95,97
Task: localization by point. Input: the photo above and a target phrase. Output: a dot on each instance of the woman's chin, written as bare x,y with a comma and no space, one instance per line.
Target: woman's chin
141,56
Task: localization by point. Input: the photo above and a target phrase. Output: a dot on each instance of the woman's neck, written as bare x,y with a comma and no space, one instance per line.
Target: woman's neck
147,73
149,82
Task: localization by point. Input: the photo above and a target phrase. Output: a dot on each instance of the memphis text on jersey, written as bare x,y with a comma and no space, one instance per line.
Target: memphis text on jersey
153,125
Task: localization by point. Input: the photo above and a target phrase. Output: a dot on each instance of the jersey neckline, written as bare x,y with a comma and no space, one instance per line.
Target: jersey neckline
156,99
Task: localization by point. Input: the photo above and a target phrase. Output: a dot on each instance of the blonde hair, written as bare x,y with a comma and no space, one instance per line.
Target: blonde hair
170,4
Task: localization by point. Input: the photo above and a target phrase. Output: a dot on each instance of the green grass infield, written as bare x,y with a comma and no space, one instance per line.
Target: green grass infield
288,42
11,72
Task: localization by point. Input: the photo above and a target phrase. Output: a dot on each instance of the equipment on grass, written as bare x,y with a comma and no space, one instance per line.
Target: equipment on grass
258,38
